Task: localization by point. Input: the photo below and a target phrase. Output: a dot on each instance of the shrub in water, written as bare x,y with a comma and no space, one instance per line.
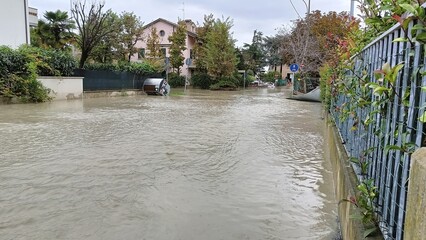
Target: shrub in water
225,83
201,80
175,80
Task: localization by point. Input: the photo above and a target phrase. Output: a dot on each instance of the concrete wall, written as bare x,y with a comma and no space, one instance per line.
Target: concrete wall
345,182
415,218
14,27
64,88
124,93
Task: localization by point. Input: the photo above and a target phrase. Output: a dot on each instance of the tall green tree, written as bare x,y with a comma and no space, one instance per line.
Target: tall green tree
200,47
131,32
240,57
93,24
178,45
109,47
154,54
272,52
54,32
221,59
153,45
254,54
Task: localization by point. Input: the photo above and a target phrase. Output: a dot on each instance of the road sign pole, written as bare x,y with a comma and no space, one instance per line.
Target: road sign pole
244,87
293,69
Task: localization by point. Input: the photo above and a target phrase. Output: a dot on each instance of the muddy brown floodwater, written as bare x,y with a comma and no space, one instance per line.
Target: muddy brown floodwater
200,165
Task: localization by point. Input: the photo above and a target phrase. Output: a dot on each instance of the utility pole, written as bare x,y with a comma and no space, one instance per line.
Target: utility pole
308,6
352,8
71,3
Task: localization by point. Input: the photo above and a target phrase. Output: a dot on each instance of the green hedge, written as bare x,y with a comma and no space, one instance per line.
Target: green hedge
51,62
271,76
144,68
175,80
225,83
18,76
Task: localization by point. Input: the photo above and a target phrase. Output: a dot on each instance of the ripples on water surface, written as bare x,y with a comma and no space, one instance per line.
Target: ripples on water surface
204,165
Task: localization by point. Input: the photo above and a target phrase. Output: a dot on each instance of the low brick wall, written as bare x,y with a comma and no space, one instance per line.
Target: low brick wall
415,217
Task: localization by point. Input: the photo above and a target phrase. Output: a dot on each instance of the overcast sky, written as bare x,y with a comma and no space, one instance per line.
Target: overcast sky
266,16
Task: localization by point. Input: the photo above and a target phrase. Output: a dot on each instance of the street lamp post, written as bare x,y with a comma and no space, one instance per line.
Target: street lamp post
308,6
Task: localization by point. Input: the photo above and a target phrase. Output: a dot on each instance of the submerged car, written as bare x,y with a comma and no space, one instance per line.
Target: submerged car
156,86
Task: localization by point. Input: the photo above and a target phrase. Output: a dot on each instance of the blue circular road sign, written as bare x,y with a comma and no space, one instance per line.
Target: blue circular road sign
294,67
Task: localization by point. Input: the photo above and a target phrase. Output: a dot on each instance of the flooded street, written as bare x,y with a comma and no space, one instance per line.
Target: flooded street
203,165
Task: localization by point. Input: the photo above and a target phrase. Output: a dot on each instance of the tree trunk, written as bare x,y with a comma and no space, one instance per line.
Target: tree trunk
83,59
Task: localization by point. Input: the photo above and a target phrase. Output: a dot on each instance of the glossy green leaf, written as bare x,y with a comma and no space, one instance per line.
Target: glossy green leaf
356,217
400,40
405,23
422,118
372,85
392,147
380,90
418,27
421,37
386,68
410,8
369,231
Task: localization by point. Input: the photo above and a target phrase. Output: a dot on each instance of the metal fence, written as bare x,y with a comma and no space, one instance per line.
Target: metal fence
385,145
110,80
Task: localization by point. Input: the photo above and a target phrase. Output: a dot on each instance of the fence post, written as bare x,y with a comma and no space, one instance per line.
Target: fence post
415,217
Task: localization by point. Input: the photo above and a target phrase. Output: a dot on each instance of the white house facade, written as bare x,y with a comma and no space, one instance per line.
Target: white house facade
14,26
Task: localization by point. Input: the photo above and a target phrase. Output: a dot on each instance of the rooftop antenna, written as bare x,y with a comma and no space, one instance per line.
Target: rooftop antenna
183,10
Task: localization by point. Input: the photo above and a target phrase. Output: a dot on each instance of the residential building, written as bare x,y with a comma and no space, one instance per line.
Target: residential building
14,25
283,69
165,29
32,17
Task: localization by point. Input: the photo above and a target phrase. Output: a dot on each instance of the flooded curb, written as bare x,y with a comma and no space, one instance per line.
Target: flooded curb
345,183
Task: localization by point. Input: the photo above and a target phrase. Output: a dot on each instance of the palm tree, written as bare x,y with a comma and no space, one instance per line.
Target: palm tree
55,31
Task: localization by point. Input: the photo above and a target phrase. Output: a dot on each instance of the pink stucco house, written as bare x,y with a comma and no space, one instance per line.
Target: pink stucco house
166,28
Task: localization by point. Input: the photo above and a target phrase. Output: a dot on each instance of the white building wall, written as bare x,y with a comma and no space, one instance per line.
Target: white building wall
14,30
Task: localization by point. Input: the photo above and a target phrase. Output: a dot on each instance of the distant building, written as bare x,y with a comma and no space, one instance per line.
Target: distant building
283,69
14,25
32,17
166,28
